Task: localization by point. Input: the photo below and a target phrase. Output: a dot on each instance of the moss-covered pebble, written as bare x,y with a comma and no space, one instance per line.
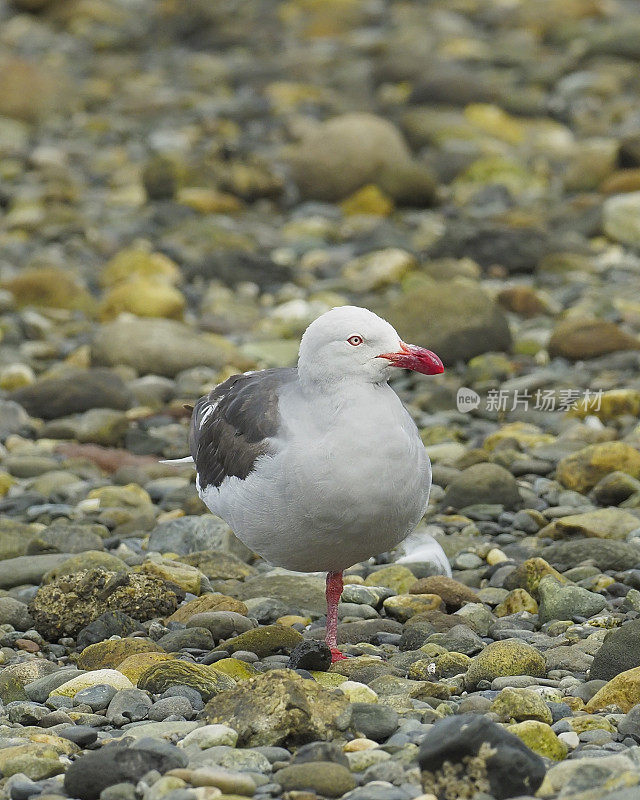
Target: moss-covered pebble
540,738
507,657
167,673
112,652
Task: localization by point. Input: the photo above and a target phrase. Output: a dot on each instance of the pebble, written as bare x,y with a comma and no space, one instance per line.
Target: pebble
98,769
196,638
96,697
210,736
309,654
617,653
330,780
320,751
466,735
90,680
170,707
374,721
558,601
232,783
128,705
483,483
221,624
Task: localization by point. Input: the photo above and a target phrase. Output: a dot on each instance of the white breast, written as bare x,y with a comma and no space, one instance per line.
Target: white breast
349,479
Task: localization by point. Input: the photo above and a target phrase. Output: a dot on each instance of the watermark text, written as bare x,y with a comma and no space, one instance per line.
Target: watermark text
525,399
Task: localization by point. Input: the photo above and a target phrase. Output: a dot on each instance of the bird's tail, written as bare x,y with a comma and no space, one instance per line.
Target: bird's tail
176,462
422,547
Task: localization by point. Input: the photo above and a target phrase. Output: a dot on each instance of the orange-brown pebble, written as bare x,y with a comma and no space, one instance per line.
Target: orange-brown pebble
356,745
27,645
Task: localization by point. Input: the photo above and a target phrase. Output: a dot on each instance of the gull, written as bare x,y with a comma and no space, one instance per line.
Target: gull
320,466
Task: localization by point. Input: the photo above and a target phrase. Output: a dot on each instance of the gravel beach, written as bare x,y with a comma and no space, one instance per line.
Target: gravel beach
184,187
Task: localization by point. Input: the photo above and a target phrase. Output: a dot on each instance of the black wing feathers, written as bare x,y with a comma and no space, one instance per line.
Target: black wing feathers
231,426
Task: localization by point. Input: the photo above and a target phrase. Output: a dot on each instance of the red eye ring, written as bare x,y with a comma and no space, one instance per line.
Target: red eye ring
355,340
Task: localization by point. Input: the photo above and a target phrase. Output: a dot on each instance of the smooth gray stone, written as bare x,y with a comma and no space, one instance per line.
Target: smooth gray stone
40,689
97,697
128,705
28,569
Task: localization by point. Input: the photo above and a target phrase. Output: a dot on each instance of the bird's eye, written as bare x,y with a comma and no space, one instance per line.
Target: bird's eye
355,340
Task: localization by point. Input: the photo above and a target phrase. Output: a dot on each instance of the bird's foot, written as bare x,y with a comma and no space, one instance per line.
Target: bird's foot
336,655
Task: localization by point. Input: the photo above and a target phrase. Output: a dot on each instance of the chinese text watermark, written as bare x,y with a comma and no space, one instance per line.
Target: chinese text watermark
525,399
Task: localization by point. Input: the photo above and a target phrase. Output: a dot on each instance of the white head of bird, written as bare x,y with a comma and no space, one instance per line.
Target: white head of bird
352,343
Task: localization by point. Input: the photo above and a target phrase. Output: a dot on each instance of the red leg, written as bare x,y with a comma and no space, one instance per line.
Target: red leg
334,591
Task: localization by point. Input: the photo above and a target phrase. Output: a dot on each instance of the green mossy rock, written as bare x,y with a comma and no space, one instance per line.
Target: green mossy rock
183,575
450,664
587,778
521,704
581,471
217,565
540,738
205,679
507,657
376,269
139,263
15,538
622,691
49,287
392,685
112,652
304,593
129,496
395,577
363,669
330,680
604,523
517,600
404,606
144,297
85,680
208,602
457,318
69,603
101,426
590,722
558,601
89,559
236,669
15,677
280,708
529,574
36,761
134,666
264,641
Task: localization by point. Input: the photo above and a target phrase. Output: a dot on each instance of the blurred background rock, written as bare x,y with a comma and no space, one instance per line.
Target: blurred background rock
242,167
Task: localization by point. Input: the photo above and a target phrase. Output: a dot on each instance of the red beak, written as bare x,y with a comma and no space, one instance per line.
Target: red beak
410,356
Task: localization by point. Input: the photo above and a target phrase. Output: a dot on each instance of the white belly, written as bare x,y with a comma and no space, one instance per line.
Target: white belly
331,497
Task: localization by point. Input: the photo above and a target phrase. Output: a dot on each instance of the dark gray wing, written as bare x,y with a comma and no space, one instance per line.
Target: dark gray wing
231,426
